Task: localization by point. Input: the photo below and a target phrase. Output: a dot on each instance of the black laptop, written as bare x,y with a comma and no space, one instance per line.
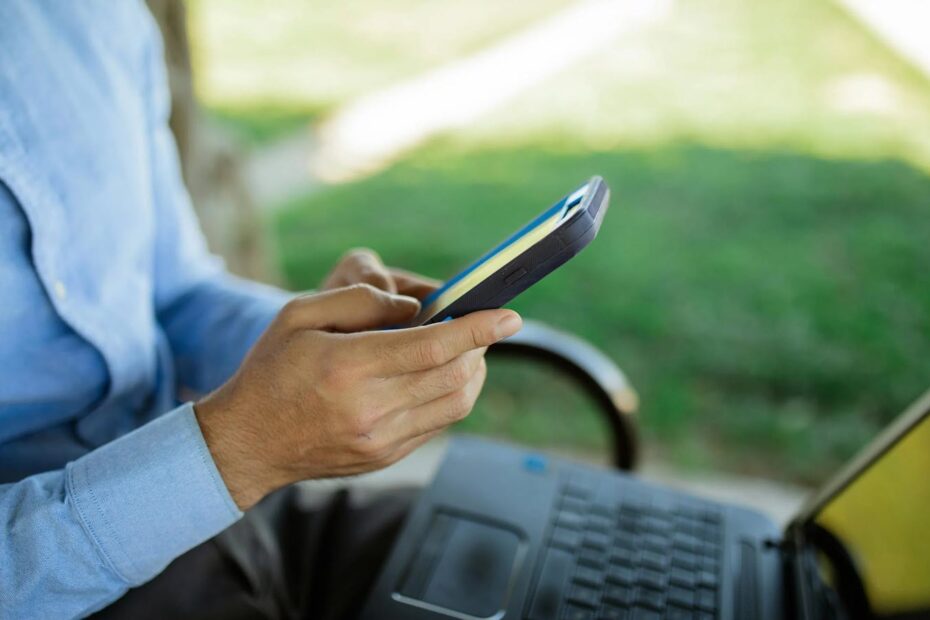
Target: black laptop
506,533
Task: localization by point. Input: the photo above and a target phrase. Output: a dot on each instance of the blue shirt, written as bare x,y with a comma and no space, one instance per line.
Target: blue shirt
110,306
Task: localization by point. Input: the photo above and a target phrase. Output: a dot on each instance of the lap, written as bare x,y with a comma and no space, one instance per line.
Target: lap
300,553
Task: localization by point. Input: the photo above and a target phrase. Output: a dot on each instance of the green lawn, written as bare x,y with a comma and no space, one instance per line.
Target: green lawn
762,275
772,308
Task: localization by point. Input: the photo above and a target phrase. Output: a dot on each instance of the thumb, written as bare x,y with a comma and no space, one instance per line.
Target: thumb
354,308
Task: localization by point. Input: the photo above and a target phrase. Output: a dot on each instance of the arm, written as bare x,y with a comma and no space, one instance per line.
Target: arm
76,539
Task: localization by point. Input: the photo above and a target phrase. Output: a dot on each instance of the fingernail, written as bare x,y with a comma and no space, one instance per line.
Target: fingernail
509,325
405,298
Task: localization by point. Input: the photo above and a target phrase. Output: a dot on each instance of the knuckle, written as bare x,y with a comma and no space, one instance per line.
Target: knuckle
457,373
362,425
333,374
367,448
476,335
355,256
289,313
460,405
364,291
429,352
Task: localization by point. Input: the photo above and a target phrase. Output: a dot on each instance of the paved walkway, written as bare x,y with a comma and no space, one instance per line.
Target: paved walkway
780,501
369,133
904,25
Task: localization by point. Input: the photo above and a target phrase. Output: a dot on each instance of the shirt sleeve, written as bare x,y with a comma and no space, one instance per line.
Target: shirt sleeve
76,539
210,317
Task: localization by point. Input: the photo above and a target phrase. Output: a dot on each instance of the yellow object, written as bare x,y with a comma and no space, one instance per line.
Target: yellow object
501,258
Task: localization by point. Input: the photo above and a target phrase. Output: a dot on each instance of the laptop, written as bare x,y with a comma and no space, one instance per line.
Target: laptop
503,532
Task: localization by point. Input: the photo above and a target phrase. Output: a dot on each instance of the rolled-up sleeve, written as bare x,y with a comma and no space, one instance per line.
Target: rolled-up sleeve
111,520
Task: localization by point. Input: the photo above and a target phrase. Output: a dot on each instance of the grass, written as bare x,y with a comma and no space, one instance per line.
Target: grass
762,274
772,308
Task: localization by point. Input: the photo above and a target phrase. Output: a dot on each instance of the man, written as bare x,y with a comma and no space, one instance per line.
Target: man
111,307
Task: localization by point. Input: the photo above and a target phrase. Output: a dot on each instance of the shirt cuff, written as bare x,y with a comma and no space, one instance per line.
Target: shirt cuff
151,495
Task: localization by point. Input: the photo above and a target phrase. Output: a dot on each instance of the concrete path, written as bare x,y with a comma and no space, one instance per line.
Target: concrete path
904,25
368,134
778,500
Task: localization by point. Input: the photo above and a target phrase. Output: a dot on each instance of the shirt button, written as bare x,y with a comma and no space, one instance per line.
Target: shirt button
60,291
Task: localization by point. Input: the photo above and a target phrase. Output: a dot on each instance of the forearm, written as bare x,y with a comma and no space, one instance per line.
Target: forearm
213,324
77,539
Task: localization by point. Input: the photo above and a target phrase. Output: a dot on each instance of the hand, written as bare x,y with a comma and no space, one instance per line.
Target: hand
364,266
317,397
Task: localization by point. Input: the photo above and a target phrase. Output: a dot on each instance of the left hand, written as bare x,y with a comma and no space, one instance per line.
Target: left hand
364,266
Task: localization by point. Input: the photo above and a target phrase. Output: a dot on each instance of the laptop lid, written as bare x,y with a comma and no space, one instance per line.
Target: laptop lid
861,545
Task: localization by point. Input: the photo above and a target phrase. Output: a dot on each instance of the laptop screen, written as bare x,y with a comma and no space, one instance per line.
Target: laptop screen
869,553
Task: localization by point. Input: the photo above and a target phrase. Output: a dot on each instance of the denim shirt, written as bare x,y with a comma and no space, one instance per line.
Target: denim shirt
110,304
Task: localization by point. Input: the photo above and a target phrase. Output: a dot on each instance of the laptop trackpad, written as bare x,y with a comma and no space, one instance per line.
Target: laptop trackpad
464,565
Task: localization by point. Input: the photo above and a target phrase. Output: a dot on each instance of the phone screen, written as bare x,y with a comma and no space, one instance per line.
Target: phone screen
492,261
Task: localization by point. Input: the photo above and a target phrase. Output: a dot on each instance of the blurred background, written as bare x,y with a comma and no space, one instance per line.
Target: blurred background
762,276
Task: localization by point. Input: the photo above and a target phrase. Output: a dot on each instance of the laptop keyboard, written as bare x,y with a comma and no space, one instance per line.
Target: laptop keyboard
627,560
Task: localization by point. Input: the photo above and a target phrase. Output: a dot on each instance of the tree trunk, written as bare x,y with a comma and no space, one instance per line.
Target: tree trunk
211,163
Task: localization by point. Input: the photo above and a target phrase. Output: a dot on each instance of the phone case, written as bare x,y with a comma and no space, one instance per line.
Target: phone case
537,261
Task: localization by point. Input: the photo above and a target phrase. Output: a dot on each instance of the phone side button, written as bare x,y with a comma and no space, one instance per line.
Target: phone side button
516,275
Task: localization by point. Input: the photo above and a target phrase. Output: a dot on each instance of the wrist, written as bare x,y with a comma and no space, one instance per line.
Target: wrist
245,476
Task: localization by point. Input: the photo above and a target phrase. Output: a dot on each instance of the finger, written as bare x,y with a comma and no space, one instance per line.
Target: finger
420,348
360,266
413,284
354,308
437,414
417,388
367,268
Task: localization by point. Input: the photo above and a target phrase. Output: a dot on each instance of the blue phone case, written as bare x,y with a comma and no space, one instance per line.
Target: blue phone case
536,262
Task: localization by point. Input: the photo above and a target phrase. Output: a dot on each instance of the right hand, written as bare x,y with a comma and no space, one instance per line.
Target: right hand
319,397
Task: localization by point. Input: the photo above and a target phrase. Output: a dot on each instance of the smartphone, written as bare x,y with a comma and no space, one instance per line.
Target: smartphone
524,258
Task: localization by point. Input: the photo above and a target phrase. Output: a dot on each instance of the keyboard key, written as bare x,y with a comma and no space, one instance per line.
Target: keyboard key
707,578
621,574
609,612
626,540
677,613
626,523
711,516
682,577
687,543
706,599
592,557
652,599
588,597
589,577
596,540
600,523
565,539
601,509
618,595
710,565
623,557
681,596
573,612
652,524
578,487
651,559
650,578
654,542
570,520
573,504
550,586
641,613
685,560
